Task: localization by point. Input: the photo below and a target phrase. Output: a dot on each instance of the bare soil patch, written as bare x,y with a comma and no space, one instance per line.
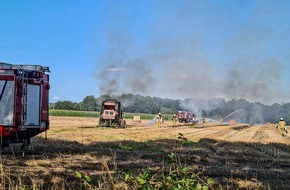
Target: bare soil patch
237,156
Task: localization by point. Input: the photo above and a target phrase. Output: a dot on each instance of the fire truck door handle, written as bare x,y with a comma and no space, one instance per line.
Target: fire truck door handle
3,89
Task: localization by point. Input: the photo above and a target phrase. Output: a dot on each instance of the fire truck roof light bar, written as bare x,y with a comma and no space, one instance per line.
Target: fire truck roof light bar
28,67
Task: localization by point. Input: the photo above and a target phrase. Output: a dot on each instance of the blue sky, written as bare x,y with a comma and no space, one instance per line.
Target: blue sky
171,49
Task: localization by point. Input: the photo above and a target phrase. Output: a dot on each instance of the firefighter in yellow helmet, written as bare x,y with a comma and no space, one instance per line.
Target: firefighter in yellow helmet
282,127
174,120
221,120
158,119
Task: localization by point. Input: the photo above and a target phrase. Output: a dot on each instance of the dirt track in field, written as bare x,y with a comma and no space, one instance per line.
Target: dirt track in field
238,156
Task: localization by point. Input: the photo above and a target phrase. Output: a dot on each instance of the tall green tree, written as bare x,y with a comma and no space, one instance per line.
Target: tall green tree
89,103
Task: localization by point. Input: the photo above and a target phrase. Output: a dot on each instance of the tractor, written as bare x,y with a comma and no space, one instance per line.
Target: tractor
111,114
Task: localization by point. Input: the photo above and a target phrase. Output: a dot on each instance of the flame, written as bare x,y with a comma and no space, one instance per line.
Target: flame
233,122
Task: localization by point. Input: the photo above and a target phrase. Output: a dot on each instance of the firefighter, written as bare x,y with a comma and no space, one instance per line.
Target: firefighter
221,120
282,127
203,119
158,119
174,120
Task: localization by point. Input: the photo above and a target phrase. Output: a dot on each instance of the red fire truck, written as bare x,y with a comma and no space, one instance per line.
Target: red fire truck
24,105
185,116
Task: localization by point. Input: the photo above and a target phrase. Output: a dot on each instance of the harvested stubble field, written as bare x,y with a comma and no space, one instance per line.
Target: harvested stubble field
236,156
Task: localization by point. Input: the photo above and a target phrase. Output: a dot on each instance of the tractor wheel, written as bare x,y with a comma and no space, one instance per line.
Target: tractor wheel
122,124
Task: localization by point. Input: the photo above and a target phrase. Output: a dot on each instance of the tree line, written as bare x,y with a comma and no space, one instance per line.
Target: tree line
240,110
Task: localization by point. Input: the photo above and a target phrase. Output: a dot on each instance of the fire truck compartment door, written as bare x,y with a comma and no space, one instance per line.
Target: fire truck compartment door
6,102
33,105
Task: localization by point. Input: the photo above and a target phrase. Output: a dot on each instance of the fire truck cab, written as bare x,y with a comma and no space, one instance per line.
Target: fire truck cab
24,102
185,116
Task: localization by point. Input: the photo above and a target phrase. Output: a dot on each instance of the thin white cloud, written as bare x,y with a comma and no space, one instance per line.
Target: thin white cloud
185,76
116,69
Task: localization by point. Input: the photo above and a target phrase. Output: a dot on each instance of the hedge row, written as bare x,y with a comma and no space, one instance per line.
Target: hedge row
73,113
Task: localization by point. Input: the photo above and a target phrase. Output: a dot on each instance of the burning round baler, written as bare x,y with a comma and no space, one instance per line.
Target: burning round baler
24,106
